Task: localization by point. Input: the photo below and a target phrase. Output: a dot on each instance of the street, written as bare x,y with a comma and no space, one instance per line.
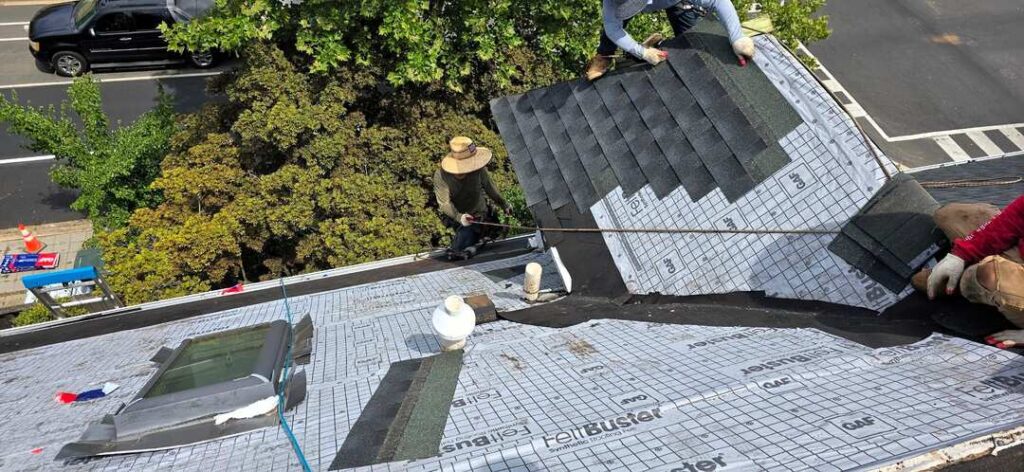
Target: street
26,193
932,80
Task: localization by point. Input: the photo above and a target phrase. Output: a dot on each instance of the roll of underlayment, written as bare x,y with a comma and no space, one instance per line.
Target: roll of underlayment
531,284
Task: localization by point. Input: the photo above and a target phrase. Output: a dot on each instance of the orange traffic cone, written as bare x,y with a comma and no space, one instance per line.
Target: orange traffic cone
32,244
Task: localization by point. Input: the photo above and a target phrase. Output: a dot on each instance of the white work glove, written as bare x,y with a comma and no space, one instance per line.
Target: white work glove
947,272
466,219
654,56
744,48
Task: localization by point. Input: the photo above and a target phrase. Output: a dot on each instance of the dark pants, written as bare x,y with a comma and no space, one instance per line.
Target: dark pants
681,19
466,236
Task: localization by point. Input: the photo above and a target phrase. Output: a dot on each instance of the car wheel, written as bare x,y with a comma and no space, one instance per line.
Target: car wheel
202,60
69,64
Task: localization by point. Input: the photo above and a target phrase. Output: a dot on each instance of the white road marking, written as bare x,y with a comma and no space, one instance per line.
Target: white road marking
114,79
984,143
14,23
1014,136
935,134
17,160
13,39
952,148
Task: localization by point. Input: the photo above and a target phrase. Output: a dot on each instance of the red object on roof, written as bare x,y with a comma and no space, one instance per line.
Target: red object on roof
237,288
1002,232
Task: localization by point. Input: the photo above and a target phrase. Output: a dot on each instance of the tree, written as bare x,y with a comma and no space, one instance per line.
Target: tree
445,42
288,176
111,166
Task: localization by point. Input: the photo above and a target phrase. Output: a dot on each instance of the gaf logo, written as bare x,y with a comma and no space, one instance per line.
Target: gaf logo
632,399
781,384
861,425
592,370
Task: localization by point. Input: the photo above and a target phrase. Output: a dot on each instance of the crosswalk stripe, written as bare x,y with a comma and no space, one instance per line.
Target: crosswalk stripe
1015,137
953,149
984,143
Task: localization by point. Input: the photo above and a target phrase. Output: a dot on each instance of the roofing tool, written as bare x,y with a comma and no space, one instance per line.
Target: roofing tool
661,230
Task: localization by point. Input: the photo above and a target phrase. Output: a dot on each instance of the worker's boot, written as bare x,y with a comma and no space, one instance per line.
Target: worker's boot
597,66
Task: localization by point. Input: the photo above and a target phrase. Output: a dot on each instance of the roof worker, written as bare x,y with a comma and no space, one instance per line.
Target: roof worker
985,261
682,15
459,186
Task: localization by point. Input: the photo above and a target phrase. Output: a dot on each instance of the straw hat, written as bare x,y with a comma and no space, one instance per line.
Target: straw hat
465,156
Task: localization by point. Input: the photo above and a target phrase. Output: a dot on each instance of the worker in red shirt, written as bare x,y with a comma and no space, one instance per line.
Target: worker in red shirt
985,261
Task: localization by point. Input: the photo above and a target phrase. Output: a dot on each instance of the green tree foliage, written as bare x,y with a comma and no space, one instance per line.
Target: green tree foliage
289,175
111,166
449,42
38,313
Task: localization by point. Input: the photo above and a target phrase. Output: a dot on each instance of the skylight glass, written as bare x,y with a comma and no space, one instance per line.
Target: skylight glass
211,360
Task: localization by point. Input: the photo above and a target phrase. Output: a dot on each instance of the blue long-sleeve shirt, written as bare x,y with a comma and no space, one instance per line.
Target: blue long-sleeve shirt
617,33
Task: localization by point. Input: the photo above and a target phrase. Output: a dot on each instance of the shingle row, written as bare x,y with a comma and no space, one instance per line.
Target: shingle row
670,125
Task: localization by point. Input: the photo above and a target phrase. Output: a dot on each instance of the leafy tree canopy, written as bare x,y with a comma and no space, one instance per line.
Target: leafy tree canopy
288,176
446,42
111,166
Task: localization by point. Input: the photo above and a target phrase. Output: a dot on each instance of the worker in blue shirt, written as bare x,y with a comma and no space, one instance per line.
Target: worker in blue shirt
682,15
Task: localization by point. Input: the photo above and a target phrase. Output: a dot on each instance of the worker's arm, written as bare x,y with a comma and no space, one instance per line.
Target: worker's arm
1002,232
726,14
443,195
492,190
616,32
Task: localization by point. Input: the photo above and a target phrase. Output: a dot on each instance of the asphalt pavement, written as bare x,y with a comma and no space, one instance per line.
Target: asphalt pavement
26,192
938,80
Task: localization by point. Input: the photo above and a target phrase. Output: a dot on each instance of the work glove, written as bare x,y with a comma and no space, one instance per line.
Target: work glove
654,56
744,49
947,272
466,219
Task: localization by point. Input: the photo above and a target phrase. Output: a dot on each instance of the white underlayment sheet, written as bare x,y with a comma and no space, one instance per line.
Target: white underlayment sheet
359,332
618,395
832,175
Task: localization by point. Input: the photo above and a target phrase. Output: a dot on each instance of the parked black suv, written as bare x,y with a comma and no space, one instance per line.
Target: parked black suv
69,38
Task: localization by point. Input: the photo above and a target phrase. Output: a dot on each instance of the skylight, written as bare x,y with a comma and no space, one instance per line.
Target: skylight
202,378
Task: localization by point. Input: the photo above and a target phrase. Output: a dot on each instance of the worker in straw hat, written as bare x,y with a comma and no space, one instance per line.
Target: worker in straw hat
459,185
682,15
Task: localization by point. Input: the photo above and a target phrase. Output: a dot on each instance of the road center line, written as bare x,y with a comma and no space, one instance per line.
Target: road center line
17,160
14,23
13,39
115,79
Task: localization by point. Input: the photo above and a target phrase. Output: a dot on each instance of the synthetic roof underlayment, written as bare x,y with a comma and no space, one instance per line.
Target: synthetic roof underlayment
603,395
698,142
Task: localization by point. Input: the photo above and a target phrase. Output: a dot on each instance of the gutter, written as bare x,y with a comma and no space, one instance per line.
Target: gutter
119,319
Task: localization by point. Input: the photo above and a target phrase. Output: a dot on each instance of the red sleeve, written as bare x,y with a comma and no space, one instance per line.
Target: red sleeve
1002,232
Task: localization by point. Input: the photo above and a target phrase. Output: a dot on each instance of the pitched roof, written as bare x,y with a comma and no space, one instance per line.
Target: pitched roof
701,143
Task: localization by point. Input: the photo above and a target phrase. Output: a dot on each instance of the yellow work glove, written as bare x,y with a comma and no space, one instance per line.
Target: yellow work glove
744,48
654,56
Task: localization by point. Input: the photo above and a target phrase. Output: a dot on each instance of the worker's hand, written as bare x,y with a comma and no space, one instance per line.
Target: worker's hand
744,49
947,272
654,56
466,219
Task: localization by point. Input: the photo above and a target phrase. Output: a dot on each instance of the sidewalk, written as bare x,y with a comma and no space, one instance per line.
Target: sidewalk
65,238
